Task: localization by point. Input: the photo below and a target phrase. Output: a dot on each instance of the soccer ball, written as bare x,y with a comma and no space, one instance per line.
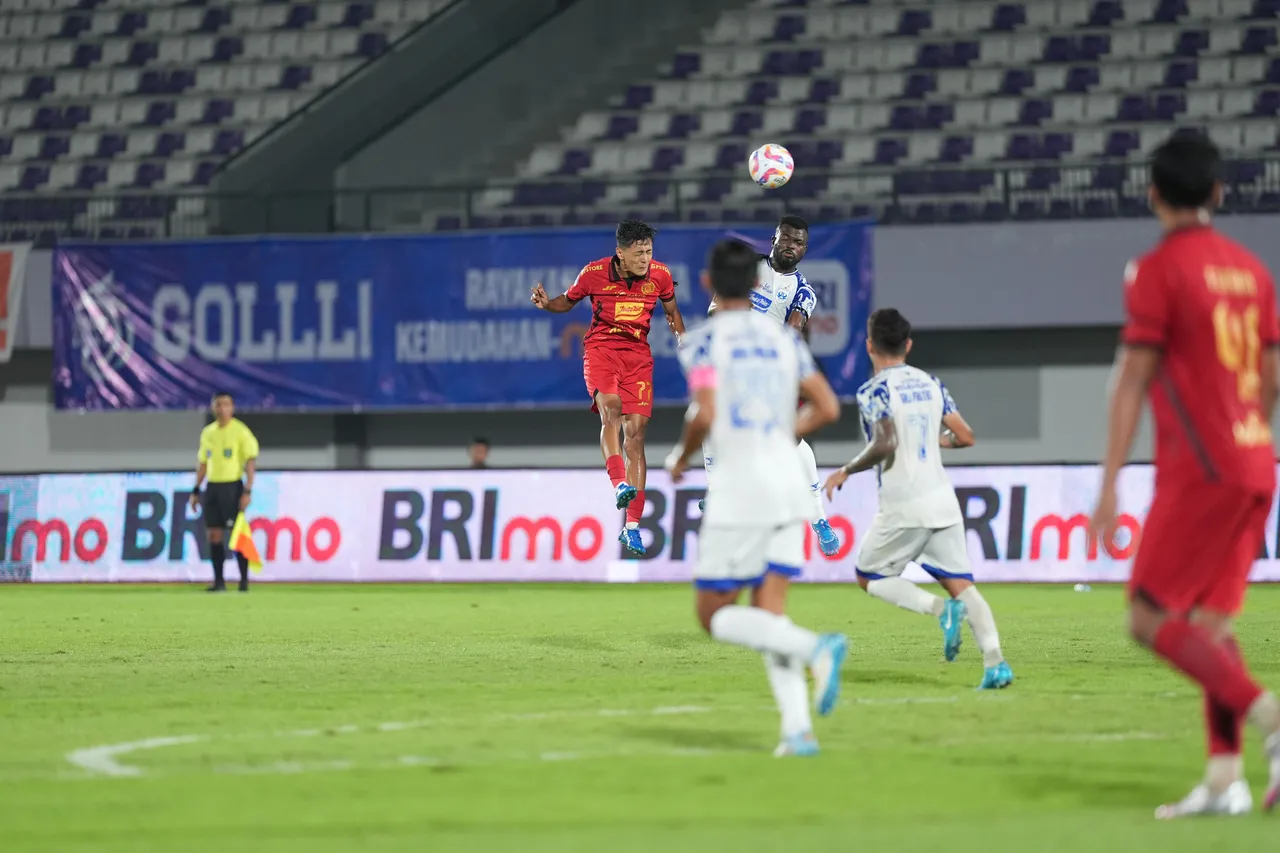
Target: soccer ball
771,166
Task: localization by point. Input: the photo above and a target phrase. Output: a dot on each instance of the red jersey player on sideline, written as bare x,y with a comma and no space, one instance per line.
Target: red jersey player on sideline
1200,338
617,362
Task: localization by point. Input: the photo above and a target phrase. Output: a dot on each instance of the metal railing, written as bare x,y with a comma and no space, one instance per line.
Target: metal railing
927,194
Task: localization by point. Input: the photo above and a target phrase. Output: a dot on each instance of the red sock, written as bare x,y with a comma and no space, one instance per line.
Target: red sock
1193,650
616,469
1225,727
635,509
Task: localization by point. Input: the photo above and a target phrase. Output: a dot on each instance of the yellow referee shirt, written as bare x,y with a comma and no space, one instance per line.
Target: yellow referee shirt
226,449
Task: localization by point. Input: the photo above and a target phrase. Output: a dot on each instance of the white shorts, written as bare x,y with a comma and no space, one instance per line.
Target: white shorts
943,553
730,558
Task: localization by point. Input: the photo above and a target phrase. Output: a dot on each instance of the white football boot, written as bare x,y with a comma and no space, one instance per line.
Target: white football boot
1236,800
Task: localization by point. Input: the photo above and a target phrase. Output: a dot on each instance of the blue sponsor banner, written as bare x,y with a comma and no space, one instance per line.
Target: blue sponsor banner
387,322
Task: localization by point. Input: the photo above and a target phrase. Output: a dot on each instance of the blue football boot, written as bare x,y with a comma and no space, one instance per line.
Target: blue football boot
800,746
997,677
624,495
952,623
630,539
828,541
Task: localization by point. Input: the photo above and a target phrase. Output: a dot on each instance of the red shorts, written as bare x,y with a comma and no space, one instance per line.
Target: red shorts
1198,546
627,373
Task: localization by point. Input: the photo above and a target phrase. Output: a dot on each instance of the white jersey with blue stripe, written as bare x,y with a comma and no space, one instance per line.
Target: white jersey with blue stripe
914,489
756,367
778,295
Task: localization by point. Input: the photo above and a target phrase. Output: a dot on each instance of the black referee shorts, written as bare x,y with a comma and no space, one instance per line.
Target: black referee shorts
222,503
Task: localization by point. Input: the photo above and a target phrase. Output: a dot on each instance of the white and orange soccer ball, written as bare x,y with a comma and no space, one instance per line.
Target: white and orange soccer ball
771,166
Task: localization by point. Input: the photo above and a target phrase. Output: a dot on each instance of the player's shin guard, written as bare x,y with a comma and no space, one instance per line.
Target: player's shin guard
1194,651
1224,727
763,631
790,691
901,592
616,468
983,624
635,509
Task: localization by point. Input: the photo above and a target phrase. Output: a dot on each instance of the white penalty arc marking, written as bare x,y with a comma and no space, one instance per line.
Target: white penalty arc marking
102,759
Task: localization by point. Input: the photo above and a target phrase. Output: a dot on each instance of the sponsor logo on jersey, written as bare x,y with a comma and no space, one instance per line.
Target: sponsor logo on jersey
623,311
760,302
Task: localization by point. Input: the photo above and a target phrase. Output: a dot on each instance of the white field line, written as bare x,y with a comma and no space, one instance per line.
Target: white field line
103,760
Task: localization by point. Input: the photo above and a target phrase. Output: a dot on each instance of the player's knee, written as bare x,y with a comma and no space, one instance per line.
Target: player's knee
215,535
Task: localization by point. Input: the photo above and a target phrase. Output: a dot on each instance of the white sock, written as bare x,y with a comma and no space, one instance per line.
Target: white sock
1223,771
633,525
763,631
790,691
983,624
810,464
901,592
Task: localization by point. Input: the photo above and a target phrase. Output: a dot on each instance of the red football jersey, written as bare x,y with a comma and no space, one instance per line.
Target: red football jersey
621,307
1210,306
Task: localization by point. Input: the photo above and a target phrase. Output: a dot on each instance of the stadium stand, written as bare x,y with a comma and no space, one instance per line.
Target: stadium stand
917,104
137,99
116,114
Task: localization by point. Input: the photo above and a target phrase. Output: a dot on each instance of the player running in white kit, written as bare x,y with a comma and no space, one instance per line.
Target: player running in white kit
907,415
782,294
745,375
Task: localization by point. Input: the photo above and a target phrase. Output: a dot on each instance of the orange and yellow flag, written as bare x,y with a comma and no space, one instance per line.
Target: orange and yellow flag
242,542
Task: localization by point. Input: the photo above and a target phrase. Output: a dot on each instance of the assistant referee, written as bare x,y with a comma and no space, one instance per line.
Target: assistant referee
228,455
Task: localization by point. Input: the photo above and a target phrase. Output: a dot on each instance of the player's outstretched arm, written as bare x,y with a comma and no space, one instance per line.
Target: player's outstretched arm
821,407
697,426
558,305
1135,367
956,432
884,441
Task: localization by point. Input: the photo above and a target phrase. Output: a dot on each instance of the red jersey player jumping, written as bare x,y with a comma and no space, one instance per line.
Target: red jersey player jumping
617,362
1200,339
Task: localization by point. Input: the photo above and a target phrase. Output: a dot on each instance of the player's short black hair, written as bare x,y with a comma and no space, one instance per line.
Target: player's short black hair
793,221
217,394
889,331
632,231
1184,169
480,439
731,265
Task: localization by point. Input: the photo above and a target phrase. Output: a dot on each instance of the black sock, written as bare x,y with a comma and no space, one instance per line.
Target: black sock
243,562
217,554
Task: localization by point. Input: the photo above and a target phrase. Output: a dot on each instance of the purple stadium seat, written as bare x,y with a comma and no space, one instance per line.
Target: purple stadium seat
621,126
1082,78
73,25
1023,146
906,117
300,17
683,124
1094,46
33,177
1169,105
357,14
372,45
142,52
111,144
90,175
1133,108
667,158
788,27
148,174
1008,16
920,84
1268,103
1035,112
160,113
1192,42
1121,143
1169,11
1180,73
204,174
1016,80
87,55
914,21
214,20
762,92
37,87
1259,40
227,48
131,22
228,142
638,97
686,65
956,149
575,160
809,120
1105,13
168,143
746,122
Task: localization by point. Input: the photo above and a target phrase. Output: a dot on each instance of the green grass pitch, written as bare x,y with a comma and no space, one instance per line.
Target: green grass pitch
549,718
